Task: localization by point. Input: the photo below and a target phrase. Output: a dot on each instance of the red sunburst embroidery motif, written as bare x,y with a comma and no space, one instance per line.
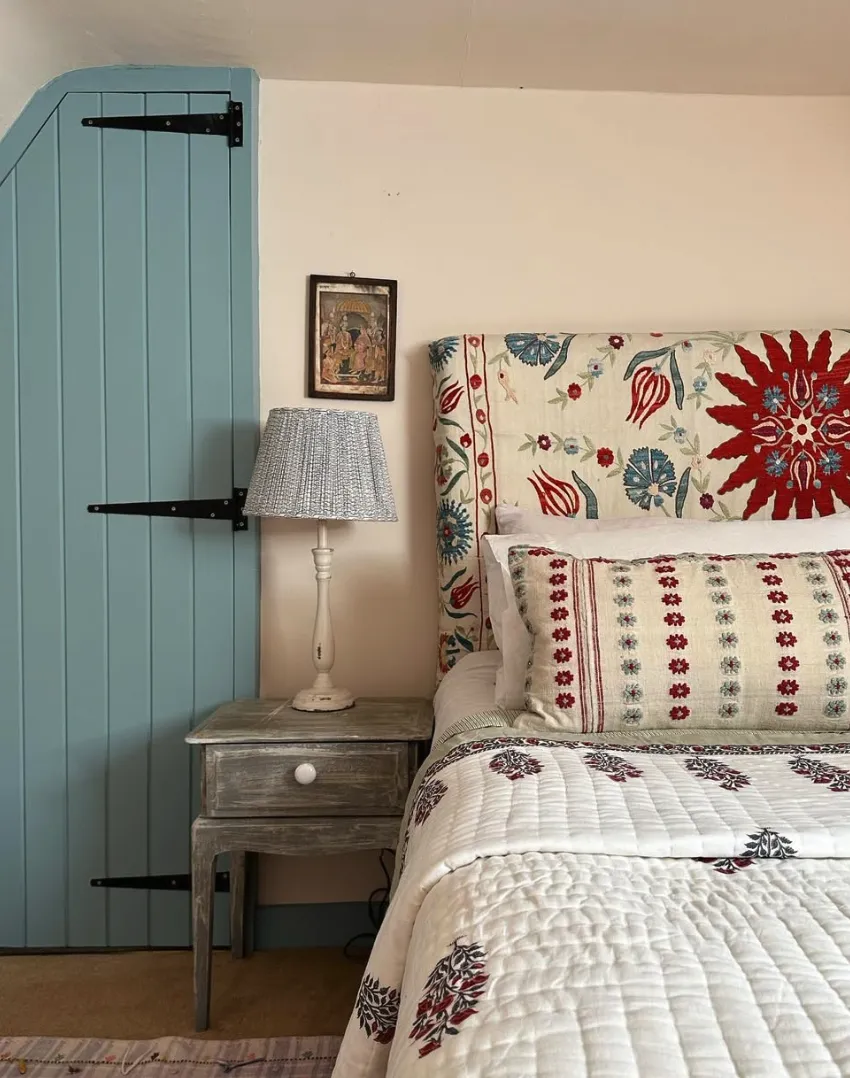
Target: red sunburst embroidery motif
792,427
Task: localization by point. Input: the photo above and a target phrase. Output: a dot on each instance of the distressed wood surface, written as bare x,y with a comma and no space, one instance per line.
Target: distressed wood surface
320,834
365,760
351,779
237,903
371,719
212,837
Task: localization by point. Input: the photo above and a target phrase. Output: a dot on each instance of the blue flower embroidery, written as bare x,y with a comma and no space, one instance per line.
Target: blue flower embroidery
828,616
454,530
700,385
648,477
534,349
828,396
830,460
679,435
833,708
439,352
835,661
571,446
773,398
595,368
836,686
775,465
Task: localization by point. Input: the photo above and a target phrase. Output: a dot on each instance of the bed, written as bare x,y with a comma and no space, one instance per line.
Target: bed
649,898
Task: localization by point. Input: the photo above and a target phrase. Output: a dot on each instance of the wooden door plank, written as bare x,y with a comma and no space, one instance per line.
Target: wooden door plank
127,479
172,599
42,560
12,846
84,455
209,170
246,402
211,409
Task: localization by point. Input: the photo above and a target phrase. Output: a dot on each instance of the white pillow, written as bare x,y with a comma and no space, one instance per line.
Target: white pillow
513,520
726,537
536,528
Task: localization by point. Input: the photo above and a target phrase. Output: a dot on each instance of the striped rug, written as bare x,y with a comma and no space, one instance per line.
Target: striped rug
52,1057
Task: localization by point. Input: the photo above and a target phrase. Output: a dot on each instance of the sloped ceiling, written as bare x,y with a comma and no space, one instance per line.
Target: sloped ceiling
690,46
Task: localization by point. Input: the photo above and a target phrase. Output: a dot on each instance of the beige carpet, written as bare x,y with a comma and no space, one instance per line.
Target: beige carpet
148,994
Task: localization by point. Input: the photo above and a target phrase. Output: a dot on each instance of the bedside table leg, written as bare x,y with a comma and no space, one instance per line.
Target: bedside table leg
203,884
237,904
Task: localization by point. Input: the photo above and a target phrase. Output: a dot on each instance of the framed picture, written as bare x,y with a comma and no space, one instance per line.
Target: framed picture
352,338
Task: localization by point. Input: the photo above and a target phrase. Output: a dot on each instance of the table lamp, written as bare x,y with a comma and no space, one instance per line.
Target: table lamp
321,464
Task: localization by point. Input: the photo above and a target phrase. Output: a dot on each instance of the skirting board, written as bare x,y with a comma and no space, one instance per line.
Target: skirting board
320,924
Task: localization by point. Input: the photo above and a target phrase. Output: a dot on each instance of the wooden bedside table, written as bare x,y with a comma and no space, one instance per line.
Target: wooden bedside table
275,780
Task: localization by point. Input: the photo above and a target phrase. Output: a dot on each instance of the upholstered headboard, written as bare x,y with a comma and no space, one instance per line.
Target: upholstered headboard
717,425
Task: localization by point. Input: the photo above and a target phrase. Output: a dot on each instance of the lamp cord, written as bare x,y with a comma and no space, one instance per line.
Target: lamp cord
379,899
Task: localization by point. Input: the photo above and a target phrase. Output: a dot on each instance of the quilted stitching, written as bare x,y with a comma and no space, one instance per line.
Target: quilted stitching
607,946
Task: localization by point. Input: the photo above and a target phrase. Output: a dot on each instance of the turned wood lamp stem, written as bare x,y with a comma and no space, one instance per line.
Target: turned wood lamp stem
323,695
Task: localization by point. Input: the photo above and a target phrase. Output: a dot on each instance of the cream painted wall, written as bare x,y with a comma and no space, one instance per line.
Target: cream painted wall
498,210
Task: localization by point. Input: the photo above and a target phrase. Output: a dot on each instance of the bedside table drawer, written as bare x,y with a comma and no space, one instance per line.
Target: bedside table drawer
342,779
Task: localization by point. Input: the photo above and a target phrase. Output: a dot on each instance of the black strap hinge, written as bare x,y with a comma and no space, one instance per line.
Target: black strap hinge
198,509
175,882
227,123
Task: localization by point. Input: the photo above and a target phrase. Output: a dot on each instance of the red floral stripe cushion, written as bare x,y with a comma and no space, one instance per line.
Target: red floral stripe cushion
758,641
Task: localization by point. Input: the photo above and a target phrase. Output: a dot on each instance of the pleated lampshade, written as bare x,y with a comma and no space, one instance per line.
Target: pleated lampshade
321,464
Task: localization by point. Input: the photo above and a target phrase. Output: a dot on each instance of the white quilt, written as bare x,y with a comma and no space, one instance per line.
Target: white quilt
571,910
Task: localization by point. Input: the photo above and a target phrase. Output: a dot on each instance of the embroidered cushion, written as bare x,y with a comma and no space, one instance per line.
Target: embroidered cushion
674,537
759,641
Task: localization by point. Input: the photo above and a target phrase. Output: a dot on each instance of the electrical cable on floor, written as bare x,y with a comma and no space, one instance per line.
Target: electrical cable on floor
379,899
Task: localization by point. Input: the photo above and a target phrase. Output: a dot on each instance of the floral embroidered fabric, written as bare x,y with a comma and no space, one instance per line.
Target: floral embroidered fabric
759,641
713,425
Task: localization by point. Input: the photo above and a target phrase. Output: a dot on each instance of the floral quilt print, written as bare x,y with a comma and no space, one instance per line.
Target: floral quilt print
540,874
715,425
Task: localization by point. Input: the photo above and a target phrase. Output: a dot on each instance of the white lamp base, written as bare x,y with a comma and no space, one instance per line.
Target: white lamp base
323,695
323,700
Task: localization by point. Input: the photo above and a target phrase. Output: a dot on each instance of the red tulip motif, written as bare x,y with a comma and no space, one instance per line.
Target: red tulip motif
557,497
650,391
462,593
450,398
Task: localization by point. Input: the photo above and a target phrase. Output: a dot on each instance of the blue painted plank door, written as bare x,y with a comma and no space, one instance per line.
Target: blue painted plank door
123,377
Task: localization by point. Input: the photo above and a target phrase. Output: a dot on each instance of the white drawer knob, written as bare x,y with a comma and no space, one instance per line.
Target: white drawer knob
305,774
